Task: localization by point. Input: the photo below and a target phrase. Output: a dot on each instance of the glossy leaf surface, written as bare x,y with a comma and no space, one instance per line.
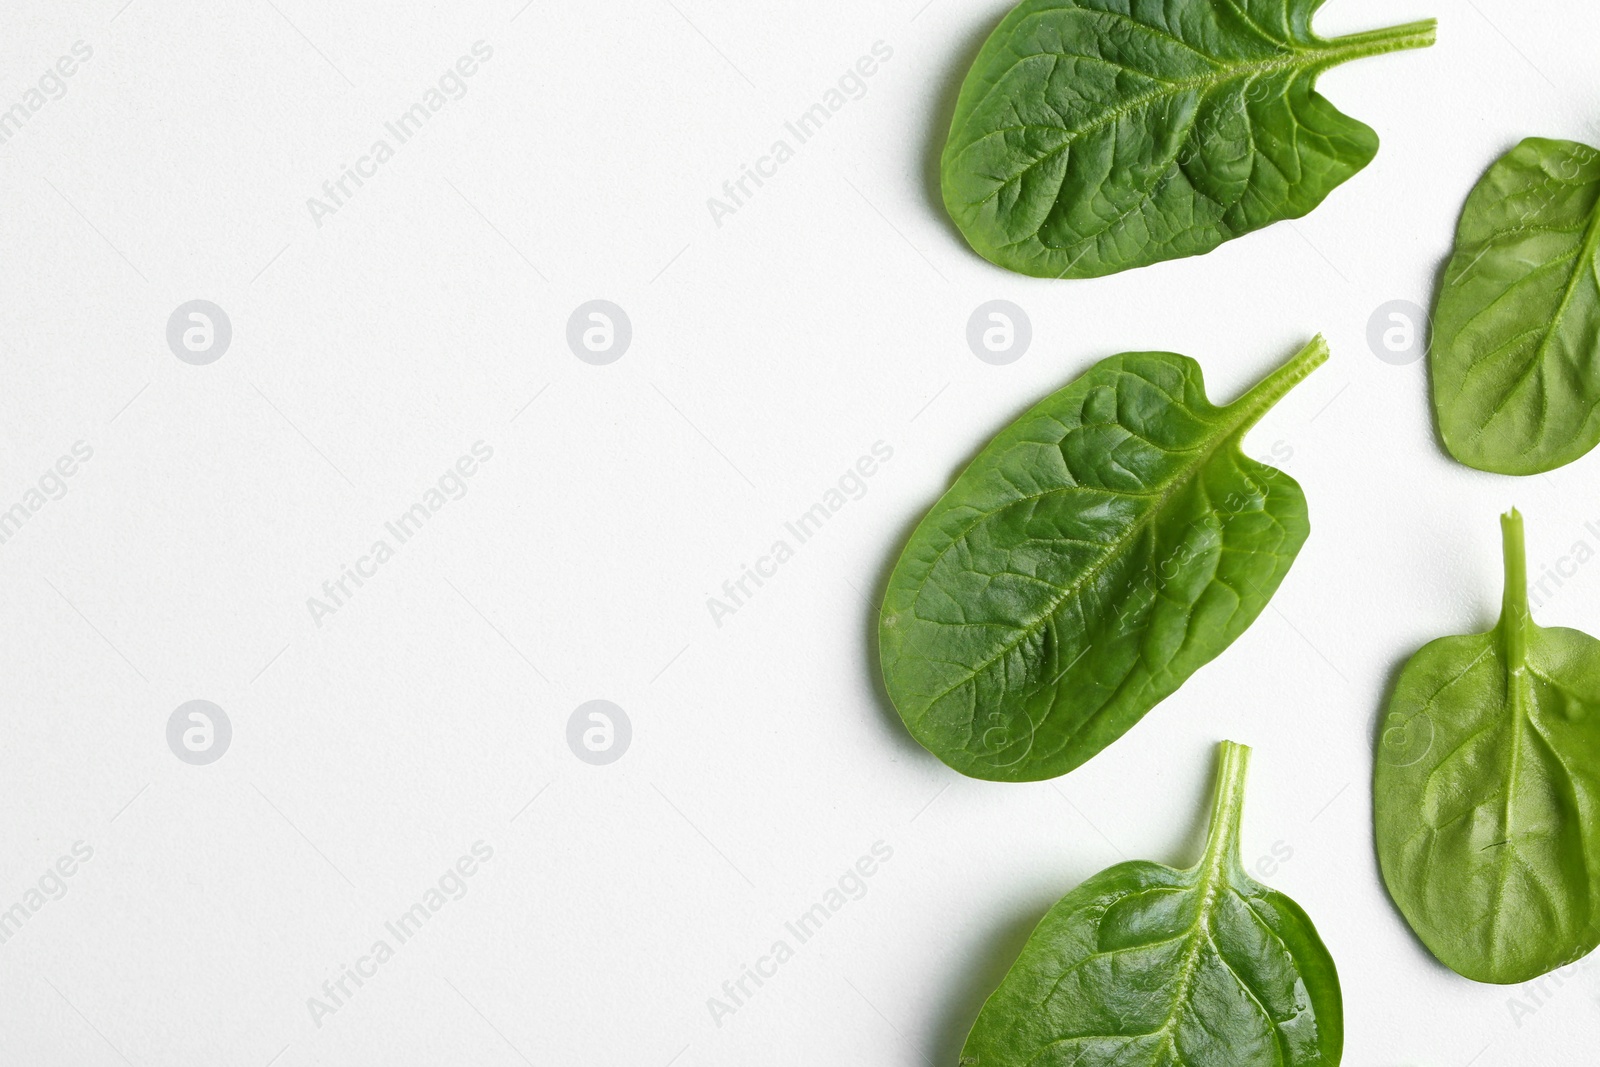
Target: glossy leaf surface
1092,136
1147,966
1516,328
1486,793
1095,554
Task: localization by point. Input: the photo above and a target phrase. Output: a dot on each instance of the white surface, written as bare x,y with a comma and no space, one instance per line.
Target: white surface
827,314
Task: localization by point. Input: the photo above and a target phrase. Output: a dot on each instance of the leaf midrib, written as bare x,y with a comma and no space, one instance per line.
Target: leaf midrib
1521,719
1245,413
1211,883
1518,694
1072,135
1296,57
1583,263
1212,874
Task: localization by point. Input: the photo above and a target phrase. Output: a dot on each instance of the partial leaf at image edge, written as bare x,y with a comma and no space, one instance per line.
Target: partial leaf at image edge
1093,136
1145,964
1516,327
1486,792
1095,554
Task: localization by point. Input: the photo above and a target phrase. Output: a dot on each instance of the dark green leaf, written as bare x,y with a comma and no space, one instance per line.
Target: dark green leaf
1096,135
1098,552
1516,332
1486,793
1146,966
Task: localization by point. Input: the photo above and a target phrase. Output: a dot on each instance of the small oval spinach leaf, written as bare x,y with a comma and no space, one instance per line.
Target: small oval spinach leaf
1516,328
1092,136
1486,792
1143,964
1099,551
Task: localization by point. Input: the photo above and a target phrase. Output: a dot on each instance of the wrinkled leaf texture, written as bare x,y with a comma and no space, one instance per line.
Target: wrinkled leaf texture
1095,554
1516,327
1147,966
1091,136
1486,792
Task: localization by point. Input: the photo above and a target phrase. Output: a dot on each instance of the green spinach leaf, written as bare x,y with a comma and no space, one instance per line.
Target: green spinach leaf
1486,792
1516,328
1092,136
1146,965
1099,551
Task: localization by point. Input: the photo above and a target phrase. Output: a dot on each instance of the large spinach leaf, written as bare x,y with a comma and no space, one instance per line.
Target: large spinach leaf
1486,792
1092,136
1146,965
1099,551
1516,330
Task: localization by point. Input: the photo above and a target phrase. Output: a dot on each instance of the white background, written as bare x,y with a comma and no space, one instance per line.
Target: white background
827,314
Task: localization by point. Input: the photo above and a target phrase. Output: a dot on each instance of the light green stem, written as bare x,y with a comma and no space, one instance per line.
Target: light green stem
1515,619
1376,42
1227,810
1271,389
